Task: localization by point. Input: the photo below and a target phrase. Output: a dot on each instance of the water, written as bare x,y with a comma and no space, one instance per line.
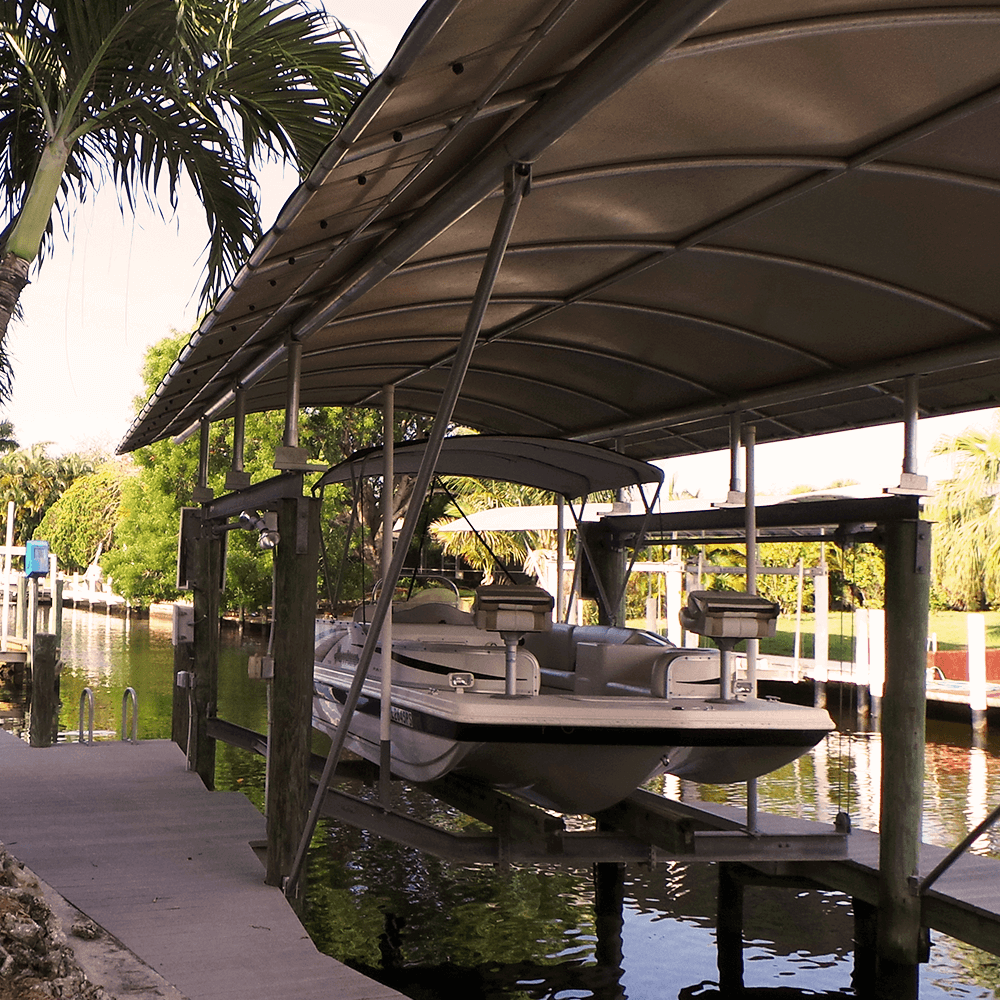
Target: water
429,928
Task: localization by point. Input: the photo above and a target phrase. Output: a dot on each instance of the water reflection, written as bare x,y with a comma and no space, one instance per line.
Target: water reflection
424,926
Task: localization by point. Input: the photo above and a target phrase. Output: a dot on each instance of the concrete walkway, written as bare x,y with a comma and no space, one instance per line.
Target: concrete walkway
137,843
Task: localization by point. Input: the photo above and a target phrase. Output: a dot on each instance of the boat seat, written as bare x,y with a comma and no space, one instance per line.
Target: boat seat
646,671
555,651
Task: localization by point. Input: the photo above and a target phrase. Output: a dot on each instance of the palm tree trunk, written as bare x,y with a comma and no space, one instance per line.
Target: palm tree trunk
13,278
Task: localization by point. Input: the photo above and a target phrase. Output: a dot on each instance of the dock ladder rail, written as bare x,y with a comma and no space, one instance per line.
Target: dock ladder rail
86,695
130,696
956,852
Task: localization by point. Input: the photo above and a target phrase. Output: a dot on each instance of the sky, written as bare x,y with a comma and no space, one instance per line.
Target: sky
116,284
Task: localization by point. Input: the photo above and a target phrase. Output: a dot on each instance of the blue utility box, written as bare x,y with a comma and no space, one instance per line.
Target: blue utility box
36,559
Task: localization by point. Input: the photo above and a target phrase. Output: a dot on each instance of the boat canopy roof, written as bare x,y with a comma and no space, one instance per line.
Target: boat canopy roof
568,468
786,209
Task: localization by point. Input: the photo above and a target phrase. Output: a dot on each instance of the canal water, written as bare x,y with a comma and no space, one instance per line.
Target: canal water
429,928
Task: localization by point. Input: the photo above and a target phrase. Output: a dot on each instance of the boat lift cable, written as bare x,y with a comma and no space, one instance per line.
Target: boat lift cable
475,531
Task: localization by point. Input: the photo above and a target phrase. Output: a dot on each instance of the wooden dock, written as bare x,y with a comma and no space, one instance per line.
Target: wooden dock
136,842
786,670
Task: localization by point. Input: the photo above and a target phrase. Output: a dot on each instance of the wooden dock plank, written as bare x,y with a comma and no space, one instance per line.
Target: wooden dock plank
132,839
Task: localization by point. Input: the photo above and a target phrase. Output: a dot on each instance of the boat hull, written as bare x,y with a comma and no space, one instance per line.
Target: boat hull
567,753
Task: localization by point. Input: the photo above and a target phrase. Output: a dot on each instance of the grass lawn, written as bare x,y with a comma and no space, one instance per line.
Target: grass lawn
948,626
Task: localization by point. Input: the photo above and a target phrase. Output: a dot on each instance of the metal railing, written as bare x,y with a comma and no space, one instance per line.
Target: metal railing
957,851
130,696
86,695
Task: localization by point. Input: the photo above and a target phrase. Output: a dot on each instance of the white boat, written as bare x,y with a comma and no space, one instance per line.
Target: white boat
570,717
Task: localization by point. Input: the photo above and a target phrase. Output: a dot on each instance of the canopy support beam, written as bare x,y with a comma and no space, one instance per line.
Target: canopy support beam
516,183
237,478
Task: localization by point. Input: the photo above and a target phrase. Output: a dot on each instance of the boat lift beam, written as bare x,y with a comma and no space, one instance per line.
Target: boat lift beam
517,180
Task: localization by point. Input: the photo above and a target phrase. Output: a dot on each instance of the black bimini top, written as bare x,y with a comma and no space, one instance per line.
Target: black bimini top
567,468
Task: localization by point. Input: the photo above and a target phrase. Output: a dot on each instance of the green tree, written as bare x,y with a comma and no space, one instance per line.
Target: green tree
35,480
149,92
7,440
967,511
79,526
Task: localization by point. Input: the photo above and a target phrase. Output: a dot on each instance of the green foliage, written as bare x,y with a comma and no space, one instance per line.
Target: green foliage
856,573
966,551
80,524
34,480
149,92
149,522
510,547
143,563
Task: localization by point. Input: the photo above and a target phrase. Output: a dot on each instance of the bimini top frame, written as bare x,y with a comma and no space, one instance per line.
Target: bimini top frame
567,468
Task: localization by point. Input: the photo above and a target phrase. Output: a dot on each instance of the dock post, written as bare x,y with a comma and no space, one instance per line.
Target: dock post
865,938
57,609
182,637
821,631
604,562
609,920
43,728
907,595
288,794
976,638
205,596
21,620
729,930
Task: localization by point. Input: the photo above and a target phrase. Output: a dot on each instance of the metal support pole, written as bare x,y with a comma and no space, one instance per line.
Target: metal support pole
201,492
911,417
290,438
237,478
388,452
560,557
735,486
907,593
750,523
909,480
516,186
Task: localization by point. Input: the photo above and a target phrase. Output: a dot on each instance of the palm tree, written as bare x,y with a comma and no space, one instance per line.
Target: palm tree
8,442
967,512
144,92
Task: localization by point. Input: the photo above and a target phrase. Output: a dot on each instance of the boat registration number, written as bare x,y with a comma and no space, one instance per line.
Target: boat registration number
401,716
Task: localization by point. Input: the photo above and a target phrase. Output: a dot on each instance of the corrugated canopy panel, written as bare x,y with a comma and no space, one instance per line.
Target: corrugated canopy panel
785,208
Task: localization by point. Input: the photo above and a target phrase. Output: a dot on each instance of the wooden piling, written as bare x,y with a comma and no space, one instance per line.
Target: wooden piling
729,930
604,573
206,598
295,568
43,728
865,938
609,919
976,641
183,664
907,590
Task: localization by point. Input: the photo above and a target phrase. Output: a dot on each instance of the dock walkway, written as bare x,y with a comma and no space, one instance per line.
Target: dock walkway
785,669
136,842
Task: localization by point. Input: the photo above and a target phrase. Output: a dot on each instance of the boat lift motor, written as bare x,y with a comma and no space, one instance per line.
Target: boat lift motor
512,611
727,617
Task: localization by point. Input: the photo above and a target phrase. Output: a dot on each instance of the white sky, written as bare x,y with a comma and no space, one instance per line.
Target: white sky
117,285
